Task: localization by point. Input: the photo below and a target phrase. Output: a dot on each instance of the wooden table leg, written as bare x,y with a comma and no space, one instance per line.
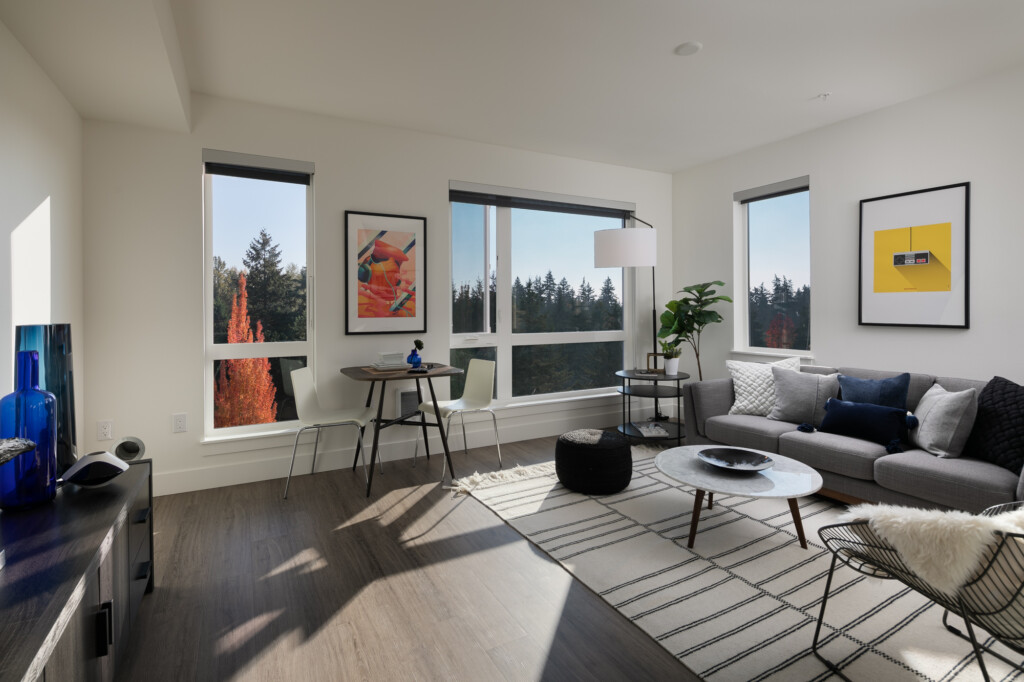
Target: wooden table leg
697,501
794,509
440,427
376,435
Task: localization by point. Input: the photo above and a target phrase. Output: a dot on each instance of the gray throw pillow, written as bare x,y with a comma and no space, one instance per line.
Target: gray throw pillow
945,420
800,397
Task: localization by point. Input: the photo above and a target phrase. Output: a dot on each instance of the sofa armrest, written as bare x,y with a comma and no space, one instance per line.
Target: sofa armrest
702,400
1020,488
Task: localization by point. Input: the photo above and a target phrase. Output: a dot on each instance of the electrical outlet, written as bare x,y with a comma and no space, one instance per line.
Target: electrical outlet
105,430
179,423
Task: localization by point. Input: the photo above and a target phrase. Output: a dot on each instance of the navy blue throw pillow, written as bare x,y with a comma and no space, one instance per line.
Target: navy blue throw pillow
998,433
891,392
876,423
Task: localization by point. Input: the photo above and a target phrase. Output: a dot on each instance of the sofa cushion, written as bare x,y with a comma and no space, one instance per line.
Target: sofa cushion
998,433
919,383
800,398
747,431
883,425
889,392
944,420
754,386
961,483
842,455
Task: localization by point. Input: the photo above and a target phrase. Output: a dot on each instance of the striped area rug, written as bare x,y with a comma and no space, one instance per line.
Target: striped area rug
741,605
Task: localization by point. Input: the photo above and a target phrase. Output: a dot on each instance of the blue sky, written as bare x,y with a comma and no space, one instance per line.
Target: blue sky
242,207
779,239
541,241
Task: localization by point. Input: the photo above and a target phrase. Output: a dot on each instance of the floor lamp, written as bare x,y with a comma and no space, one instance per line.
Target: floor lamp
631,248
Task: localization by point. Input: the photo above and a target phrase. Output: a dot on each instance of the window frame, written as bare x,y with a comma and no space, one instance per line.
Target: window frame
741,263
502,339
262,168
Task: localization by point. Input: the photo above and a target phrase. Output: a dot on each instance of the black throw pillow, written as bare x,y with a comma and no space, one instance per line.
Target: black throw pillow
876,423
998,433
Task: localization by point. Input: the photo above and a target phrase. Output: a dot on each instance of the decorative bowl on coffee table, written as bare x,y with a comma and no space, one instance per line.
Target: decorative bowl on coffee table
735,459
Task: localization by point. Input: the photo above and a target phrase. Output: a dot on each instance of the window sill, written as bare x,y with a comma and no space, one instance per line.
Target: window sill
781,353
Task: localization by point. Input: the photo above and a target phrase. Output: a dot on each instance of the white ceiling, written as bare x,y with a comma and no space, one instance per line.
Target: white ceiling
591,79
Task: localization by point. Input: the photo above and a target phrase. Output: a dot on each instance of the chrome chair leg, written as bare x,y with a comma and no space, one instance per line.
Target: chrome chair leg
292,466
497,443
316,444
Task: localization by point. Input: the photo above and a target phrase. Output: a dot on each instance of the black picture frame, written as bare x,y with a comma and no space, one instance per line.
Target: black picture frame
385,273
914,259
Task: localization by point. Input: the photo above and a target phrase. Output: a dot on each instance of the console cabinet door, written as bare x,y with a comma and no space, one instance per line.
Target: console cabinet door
74,658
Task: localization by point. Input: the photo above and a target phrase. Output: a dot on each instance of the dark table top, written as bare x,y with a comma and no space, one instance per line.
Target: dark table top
651,376
368,373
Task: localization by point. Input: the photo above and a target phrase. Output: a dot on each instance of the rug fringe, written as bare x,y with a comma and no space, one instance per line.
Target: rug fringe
466,484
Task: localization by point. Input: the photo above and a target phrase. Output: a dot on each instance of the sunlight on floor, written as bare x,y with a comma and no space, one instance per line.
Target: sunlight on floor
303,563
236,638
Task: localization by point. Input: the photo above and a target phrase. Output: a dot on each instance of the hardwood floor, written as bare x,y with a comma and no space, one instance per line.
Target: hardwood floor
411,584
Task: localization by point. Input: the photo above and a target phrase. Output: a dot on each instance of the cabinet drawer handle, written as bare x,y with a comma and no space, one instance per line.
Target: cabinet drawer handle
104,628
142,515
142,572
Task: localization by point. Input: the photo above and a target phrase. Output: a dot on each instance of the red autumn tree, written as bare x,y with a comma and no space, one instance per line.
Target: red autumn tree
781,332
245,392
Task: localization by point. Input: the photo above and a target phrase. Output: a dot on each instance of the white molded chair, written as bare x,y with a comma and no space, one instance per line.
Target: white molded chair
312,416
476,397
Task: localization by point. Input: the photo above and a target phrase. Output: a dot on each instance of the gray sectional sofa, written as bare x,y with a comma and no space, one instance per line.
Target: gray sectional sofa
853,469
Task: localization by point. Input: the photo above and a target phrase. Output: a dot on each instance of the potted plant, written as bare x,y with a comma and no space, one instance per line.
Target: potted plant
687,316
671,352
414,358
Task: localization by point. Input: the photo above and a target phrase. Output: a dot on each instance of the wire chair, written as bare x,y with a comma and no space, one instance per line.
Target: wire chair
992,599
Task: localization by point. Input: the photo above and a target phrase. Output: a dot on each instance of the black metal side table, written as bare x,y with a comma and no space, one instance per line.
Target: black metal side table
649,386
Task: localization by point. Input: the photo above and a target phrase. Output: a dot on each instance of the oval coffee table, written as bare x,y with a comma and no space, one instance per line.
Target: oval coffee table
786,478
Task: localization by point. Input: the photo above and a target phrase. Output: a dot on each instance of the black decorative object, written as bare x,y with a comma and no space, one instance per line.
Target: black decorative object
94,470
735,459
56,375
593,462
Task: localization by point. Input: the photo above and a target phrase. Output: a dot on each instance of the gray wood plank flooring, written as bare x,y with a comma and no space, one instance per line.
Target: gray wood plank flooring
412,584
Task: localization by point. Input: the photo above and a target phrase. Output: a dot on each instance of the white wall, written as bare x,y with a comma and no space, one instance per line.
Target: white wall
970,133
144,269
40,209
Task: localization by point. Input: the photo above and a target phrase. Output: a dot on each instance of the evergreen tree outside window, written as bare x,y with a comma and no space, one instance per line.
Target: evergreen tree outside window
256,230
776,235
525,293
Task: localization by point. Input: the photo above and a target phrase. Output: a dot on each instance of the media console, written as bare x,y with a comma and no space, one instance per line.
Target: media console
76,572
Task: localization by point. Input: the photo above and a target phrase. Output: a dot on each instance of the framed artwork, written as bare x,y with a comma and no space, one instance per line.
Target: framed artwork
385,273
914,258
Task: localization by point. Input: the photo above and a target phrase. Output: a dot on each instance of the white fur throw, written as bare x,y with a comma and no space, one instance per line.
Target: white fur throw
943,548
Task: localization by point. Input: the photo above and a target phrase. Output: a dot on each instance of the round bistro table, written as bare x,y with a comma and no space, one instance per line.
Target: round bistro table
787,478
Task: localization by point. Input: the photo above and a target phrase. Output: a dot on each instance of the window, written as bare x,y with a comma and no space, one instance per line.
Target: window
776,232
257,227
526,294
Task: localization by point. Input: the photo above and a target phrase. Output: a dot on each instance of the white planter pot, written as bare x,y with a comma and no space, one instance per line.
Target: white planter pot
671,366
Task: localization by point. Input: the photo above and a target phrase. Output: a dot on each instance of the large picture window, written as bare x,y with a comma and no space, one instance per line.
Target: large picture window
257,227
526,294
776,232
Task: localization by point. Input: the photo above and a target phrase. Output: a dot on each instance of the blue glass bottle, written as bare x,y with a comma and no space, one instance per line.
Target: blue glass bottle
414,359
31,477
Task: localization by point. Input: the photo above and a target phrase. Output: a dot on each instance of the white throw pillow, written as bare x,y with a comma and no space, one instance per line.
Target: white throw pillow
754,385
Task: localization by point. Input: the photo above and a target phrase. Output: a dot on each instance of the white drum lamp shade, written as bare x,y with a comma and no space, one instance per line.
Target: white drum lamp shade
625,248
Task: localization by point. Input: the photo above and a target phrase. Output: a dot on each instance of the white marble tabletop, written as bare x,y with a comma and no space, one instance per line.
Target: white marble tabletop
786,478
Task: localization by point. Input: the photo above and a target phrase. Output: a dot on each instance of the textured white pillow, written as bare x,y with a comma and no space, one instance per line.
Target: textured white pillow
754,386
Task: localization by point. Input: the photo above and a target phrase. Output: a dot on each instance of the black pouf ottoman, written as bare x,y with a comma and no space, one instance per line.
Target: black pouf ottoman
593,462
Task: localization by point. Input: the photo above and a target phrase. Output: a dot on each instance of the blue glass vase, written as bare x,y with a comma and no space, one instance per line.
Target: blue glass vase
31,477
414,359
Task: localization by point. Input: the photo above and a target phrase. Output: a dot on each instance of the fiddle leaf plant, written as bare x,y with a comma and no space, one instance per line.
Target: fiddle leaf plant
688,315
